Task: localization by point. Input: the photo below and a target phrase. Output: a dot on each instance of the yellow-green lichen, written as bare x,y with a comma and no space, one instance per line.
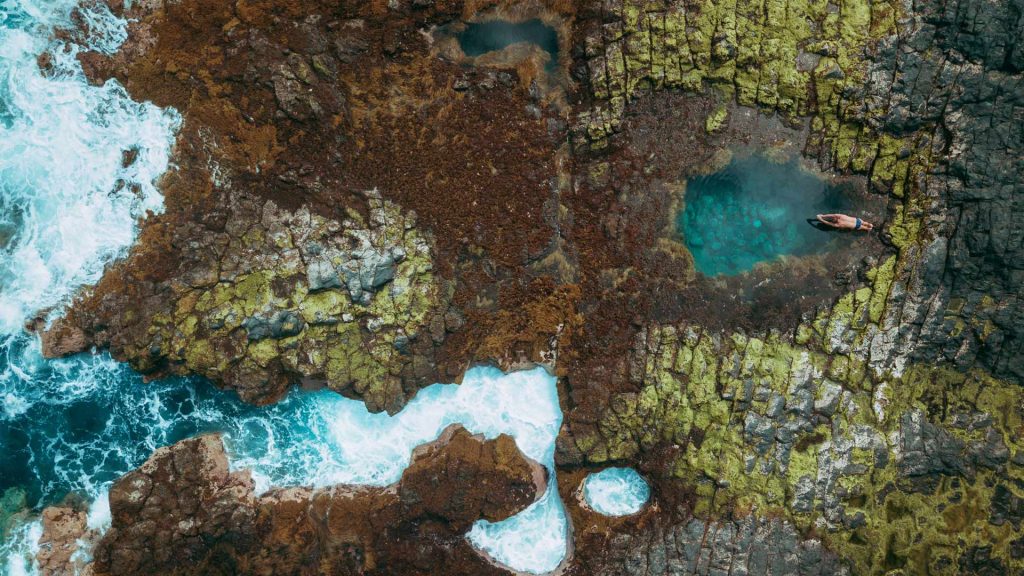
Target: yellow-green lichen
699,391
225,331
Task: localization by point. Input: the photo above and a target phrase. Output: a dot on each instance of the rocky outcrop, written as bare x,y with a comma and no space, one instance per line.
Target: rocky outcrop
856,411
64,532
302,109
951,80
743,547
272,297
185,512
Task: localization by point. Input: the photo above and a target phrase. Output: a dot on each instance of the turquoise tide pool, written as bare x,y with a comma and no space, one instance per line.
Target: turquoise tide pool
755,210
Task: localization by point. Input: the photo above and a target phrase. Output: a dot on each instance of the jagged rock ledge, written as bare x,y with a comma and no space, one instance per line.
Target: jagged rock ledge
184,512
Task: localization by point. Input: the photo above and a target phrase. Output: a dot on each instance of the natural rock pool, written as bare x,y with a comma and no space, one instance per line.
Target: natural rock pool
482,37
755,210
616,491
70,427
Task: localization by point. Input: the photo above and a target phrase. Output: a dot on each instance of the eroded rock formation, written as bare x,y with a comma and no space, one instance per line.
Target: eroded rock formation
859,411
185,512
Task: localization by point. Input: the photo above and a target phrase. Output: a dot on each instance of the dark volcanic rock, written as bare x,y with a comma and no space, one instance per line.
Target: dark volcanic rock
359,206
728,548
954,72
184,503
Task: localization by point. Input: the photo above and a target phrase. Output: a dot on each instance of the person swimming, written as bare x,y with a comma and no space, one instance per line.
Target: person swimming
844,222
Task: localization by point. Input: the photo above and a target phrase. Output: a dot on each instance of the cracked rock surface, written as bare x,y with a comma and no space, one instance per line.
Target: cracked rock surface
184,503
358,206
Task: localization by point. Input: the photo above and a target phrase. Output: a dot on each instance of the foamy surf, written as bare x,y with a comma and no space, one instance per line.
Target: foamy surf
322,439
83,441
616,491
69,206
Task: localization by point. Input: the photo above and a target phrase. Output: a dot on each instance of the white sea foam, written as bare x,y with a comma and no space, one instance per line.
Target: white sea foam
18,552
99,512
67,204
67,207
335,440
616,491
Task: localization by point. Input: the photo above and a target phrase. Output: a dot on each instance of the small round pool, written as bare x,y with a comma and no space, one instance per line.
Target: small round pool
616,491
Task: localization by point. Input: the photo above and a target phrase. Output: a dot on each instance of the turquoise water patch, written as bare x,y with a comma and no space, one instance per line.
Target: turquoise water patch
616,491
482,37
756,210
68,207
75,425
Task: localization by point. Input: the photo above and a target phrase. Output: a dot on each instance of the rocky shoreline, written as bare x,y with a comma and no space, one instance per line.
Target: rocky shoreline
354,207
184,512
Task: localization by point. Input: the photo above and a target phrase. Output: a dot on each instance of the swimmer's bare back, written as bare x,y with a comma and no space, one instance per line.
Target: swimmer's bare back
844,222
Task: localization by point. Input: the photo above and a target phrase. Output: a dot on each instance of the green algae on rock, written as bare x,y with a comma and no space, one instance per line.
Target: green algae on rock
279,297
906,471
322,301
778,55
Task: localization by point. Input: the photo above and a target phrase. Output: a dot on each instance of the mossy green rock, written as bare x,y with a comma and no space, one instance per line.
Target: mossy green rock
303,298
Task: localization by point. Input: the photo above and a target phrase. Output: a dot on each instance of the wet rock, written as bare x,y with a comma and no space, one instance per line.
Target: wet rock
1007,507
64,339
979,560
281,325
62,529
759,431
444,479
290,88
803,495
828,399
348,48
321,275
186,499
743,546
369,270
308,37
992,453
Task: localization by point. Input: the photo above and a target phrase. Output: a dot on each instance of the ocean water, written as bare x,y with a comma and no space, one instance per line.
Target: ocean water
755,210
482,37
67,204
69,427
85,420
616,491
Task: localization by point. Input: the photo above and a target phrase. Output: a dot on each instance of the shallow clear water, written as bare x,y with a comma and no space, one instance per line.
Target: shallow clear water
755,210
67,208
482,37
616,491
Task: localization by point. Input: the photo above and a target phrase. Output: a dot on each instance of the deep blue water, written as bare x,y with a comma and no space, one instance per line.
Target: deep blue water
756,210
482,37
71,426
76,424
